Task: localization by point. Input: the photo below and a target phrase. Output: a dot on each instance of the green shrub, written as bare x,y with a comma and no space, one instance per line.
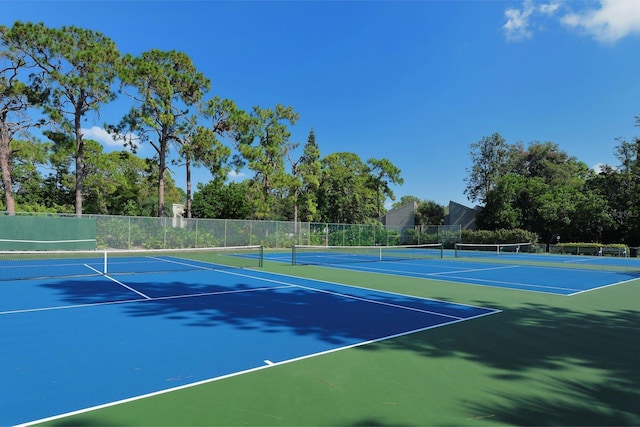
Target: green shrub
498,236
577,248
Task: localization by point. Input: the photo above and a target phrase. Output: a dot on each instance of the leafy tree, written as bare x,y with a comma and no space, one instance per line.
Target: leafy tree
79,67
590,218
532,204
127,175
345,194
263,145
611,185
28,158
306,174
16,97
429,212
200,147
216,200
490,157
383,173
116,182
166,84
405,200
541,189
628,153
620,186
547,161
149,198
59,183
502,208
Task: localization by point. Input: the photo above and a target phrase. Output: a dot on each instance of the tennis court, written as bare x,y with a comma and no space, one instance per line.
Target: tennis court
101,331
563,275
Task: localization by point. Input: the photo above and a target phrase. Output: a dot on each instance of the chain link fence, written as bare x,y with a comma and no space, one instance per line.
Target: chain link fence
128,232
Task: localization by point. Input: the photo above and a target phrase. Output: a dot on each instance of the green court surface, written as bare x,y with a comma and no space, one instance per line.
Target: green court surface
544,360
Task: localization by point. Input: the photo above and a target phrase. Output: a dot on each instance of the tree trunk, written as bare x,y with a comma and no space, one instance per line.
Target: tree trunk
79,165
5,165
79,182
188,165
162,165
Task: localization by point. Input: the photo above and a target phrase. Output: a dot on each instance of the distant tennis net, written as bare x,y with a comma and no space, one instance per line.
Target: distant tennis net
19,265
477,249
323,255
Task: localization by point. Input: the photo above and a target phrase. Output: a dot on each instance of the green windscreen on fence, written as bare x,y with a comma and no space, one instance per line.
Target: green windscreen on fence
47,233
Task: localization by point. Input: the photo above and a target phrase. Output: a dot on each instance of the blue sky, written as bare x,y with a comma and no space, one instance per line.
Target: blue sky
415,82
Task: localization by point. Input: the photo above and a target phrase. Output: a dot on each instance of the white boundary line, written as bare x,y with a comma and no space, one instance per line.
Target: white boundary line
127,287
67,307
267,364
473,270
433,313
172,261
347,296
452,279
499,282
118,282
466,281
355,287
603,286
449,279
280,283
168,297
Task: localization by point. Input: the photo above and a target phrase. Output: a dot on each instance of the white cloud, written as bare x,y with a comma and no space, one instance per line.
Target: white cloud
235,175
549,9
520,22
597,168
605,20
98,134
517,25
102,136
611,21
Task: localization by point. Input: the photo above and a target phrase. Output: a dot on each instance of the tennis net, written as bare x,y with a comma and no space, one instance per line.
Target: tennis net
17,265
318,255
478,249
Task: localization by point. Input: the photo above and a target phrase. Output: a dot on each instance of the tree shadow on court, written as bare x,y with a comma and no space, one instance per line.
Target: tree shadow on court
585,404
575,367
269,308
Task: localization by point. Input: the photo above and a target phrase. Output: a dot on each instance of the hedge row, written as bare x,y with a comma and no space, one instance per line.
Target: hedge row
499,236
590,249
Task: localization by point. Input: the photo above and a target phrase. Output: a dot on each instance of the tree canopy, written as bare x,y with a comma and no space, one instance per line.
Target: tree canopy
78,67
52,78
543,189
56,76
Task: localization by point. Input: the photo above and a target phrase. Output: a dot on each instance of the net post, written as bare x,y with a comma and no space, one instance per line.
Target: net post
261,256
105,263
441,251
293,254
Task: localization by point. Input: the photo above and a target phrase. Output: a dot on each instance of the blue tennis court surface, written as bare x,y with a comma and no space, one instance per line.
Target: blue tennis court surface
565,278
74,343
